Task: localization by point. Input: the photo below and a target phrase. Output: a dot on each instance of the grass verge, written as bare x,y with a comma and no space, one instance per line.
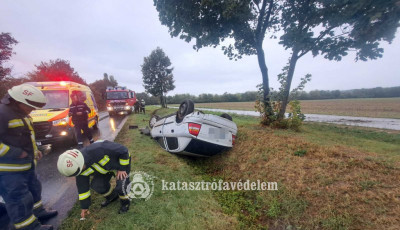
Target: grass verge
329,177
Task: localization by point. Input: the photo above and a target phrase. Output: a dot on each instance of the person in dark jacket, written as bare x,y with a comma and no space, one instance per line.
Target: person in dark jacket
98,160
79,112
19,185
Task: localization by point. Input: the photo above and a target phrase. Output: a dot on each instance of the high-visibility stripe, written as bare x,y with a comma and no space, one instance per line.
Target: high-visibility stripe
15,123
124,161
85,195
3,149
33,139
87,172
26,222
104,160
14,167
109,191
99,169
37,204
124,197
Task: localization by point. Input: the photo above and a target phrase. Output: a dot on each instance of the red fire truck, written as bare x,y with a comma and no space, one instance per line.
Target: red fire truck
120,100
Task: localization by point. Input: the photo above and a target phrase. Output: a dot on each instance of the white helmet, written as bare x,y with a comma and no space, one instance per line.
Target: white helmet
70,163
29,95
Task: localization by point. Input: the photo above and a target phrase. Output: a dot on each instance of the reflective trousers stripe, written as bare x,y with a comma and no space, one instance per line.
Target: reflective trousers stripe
14,167
37,204
85,195
124,197
3,149
26,222
109,192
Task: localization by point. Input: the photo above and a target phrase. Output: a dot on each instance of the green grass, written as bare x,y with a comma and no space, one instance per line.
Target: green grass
285,208
165,209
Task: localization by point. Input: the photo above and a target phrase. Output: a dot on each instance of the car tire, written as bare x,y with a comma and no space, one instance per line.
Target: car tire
226,116
153,120
185,108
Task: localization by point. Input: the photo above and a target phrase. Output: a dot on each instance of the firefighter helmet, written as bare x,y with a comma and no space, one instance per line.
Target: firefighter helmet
28,95
70,163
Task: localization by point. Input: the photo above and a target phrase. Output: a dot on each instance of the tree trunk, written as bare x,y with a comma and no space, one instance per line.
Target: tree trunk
162,101
286,92
265,82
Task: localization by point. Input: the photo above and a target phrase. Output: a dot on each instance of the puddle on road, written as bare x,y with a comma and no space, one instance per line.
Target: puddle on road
380,123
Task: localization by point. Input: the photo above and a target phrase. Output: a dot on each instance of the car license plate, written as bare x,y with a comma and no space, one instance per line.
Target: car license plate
216,133
38,143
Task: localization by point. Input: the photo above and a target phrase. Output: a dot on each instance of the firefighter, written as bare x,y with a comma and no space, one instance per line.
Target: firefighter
79,111
143,106
19,185
97,160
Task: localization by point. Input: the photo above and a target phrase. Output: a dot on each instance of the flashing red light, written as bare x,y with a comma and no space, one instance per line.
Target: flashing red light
194,129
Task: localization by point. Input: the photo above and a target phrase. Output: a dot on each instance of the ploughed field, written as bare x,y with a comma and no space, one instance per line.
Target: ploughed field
362,107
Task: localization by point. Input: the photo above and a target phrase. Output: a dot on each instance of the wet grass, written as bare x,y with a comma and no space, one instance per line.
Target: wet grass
329,177
165,209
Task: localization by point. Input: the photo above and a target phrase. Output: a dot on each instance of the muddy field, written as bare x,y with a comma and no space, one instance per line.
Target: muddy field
365,107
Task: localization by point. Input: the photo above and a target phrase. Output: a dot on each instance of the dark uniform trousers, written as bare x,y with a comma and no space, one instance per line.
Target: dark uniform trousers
84,126
22,194
101,184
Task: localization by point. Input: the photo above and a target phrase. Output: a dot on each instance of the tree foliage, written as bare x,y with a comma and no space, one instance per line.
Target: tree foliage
109,80
157,74
334,28
55,70
210,22
6,43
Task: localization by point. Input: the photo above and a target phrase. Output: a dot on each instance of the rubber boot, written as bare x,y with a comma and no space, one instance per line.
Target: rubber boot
43,214
124,206
110,198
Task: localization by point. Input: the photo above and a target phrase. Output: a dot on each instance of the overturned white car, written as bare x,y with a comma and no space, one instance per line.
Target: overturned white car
192,132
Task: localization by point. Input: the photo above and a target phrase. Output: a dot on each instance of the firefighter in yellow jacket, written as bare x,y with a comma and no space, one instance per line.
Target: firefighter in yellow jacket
19,186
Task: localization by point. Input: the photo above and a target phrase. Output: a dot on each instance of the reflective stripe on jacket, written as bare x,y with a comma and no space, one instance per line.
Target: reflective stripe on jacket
16,135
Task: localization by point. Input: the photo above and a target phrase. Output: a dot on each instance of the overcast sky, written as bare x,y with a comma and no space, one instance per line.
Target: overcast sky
113,37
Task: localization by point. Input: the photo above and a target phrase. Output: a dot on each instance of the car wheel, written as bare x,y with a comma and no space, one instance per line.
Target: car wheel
226,116
186,107
153,120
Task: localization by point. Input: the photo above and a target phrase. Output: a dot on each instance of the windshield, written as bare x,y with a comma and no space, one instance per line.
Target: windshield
117,95
56,99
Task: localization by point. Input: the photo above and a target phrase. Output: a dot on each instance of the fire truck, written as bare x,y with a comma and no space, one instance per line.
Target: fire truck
120,100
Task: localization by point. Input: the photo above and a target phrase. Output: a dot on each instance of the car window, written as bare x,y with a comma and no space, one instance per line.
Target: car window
172,143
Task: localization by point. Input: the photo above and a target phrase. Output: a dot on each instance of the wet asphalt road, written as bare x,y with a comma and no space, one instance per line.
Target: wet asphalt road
59,192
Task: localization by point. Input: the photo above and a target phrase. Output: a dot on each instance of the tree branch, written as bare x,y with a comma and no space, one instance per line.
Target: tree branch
266,22
260,21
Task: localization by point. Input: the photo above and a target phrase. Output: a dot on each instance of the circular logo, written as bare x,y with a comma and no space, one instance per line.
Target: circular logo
141,186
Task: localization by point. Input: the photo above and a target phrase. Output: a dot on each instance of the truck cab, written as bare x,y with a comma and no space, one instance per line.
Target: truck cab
120,100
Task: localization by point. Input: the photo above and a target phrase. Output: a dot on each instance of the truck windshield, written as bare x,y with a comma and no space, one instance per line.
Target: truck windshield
56,99
117,95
